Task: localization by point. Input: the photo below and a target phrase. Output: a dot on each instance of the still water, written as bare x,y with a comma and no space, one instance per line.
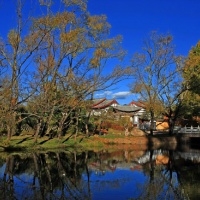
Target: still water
117,174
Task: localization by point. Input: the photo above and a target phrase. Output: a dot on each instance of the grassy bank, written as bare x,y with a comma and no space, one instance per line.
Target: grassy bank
26,143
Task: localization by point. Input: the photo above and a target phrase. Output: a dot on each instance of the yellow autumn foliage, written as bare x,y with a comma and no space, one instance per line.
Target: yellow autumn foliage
71,36
191,72
58,20
14,38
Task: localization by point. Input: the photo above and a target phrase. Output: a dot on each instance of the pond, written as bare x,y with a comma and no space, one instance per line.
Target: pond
117,174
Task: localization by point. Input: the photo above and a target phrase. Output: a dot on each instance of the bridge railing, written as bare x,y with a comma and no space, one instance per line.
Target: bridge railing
190,129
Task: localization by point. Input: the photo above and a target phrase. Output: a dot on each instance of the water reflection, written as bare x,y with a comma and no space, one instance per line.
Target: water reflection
155,174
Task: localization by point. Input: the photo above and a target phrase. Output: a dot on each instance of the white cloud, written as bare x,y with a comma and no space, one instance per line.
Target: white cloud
107,92
104,94
121,95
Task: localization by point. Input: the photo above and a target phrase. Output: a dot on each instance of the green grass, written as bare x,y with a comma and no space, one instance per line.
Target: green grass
27,143
81,142
113,136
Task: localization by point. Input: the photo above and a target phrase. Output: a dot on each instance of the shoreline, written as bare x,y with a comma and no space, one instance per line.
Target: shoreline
25,143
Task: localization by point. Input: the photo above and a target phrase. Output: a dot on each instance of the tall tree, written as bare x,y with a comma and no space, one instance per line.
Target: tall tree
156,72
16,53
191,75
191,72
58,59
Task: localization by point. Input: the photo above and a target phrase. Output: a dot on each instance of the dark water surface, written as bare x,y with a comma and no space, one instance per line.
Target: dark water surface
155,174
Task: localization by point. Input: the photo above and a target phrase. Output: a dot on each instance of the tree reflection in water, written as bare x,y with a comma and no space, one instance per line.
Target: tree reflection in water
88,175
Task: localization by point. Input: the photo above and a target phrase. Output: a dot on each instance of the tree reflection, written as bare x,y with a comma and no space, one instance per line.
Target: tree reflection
53,175
163,180
70,175
8,182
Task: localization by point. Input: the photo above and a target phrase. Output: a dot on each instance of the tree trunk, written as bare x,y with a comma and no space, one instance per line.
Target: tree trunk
86,124
48,125
11,125
152,122
172,119
37,130
171,126
8,132
77,123
61,123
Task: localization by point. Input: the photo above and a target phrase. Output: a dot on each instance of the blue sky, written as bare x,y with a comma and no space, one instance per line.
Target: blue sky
135,19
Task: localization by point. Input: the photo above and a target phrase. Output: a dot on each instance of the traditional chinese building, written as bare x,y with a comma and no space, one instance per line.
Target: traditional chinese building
129,111
102,105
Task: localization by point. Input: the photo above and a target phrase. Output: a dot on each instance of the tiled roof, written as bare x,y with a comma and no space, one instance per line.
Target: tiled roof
139,104
97,101
103,104
127,108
